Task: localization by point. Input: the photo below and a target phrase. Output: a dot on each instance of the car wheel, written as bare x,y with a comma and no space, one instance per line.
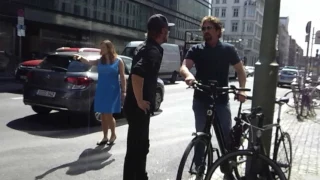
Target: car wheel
173,78
41,110
158,100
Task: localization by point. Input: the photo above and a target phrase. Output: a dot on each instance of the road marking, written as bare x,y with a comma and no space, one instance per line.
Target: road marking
17,98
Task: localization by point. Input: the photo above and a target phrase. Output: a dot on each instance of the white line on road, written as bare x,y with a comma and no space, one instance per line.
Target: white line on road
17,98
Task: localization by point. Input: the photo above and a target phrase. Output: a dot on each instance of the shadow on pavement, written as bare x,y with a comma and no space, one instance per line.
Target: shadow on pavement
57,125
60,124
89,160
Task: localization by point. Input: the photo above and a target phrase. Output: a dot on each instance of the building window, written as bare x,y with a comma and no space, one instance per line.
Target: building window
236,12
236,1
224,1
216,12
234,27
250,27
77,10
223,12
222,24
243,26
217,1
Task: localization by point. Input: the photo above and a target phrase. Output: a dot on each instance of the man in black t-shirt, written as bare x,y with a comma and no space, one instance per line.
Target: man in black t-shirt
140,99
212,59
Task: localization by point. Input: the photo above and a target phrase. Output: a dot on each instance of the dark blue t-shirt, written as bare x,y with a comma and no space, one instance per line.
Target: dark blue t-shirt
212,63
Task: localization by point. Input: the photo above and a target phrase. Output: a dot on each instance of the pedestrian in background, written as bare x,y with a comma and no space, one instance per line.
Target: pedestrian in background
108,94
140,99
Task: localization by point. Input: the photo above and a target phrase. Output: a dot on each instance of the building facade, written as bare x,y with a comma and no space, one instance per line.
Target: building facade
242,20
85,23
283,45
295,53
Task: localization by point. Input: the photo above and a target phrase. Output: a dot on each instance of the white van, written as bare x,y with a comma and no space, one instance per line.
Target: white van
171,60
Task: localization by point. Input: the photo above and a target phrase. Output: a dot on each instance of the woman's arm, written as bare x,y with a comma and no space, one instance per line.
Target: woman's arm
122,76
85,61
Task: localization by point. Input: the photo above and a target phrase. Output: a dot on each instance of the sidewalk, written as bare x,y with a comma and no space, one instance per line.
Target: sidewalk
305,145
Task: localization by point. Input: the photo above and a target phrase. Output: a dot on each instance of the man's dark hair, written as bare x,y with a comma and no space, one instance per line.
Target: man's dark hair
214,21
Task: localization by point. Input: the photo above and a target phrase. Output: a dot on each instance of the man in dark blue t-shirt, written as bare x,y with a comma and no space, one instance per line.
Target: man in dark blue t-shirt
212,59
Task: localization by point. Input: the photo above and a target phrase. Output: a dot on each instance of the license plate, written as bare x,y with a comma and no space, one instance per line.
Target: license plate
23,77
46,93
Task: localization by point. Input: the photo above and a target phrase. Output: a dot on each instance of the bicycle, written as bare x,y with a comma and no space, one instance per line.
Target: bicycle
256,151
205,136
305,100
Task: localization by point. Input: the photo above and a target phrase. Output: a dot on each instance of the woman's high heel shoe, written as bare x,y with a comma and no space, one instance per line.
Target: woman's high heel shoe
112,140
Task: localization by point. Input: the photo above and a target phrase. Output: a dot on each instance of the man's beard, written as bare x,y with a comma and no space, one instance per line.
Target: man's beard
207,37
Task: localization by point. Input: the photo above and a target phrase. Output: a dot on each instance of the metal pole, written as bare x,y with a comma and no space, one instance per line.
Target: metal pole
305,72
266,73
312,38
20,48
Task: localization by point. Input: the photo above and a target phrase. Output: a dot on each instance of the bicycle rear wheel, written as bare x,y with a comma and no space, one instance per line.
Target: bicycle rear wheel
226,166
194,165
284,145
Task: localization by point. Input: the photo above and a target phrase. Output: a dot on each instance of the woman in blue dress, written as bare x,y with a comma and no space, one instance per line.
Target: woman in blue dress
109,94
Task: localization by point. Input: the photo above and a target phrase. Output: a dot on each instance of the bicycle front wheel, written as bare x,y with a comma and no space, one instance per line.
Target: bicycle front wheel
251,165
196,158
293,99
283,154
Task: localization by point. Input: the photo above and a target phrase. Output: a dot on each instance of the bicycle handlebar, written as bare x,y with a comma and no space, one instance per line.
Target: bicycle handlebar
213,89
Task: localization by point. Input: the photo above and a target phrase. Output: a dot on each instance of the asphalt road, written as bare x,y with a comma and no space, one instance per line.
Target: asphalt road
61,146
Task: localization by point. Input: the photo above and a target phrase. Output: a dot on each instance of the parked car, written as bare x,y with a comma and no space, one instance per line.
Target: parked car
286,76
249,70
61,83
24,67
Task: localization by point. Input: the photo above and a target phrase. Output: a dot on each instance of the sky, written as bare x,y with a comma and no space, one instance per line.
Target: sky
300,12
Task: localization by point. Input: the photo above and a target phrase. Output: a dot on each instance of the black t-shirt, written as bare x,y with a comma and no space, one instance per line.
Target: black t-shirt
146,63
212,63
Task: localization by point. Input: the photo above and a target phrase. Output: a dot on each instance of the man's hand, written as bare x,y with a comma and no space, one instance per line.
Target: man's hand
241,96
189,79
144,105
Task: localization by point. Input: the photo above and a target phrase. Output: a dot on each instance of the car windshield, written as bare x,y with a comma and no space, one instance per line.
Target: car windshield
128,51
289,73
67,63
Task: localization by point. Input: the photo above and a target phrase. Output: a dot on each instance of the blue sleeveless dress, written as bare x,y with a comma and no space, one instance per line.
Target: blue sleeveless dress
108,95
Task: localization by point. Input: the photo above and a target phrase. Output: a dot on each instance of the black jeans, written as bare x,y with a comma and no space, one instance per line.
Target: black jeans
137,144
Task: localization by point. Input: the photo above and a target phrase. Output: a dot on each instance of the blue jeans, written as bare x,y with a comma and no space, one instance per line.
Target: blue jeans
200,113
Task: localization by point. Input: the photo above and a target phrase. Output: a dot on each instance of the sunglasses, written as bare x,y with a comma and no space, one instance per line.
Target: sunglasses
203,28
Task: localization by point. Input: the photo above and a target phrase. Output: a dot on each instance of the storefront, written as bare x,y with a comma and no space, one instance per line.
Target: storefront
7,46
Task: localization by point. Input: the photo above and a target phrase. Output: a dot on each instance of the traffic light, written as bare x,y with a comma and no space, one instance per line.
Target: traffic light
317,52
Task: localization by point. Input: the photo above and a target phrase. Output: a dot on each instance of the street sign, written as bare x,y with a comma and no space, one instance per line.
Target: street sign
21,30
317,38
308,27
20,26
20,12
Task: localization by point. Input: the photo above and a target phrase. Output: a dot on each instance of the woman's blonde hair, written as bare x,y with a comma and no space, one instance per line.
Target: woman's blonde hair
112,54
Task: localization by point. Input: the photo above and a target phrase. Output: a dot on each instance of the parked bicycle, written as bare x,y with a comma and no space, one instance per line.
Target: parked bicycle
304,98
257,165
202,140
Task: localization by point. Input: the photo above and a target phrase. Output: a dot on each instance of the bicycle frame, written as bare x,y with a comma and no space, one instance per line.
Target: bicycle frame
213,119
